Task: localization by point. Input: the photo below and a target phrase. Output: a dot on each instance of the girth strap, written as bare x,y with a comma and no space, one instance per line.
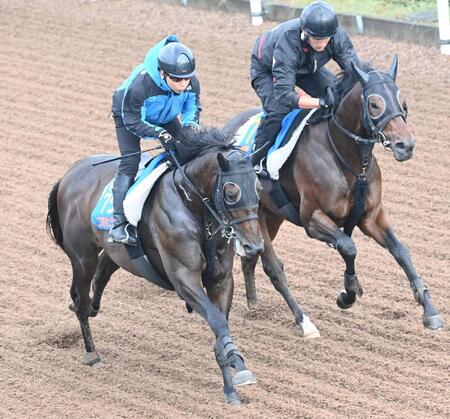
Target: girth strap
281,200
145,268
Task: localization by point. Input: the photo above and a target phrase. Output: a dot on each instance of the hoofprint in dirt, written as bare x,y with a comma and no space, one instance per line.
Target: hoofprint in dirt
61,61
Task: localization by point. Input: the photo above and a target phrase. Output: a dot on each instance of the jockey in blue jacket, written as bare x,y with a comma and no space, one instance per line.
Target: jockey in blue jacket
147,105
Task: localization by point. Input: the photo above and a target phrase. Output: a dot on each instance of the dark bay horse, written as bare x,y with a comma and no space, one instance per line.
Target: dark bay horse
333,182
173,236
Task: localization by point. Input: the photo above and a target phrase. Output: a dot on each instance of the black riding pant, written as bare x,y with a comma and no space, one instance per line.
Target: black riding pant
130,143
262,81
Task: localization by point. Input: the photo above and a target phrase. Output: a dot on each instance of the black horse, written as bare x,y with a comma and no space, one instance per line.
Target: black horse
332,183
188,229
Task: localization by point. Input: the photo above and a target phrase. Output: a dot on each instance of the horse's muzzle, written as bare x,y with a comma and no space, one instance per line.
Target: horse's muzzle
403,149
247,249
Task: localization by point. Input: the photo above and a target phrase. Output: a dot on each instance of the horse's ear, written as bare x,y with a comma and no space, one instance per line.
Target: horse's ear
224,163
393,68
360,74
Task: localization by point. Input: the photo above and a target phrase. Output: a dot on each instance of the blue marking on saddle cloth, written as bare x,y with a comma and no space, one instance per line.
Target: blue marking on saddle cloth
245,136
285,126
102,215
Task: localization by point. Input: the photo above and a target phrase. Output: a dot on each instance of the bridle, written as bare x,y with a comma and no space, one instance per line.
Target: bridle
383,85
377,84
217,209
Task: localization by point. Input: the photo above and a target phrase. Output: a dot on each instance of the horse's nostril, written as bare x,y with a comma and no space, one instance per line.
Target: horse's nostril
248,249
401,146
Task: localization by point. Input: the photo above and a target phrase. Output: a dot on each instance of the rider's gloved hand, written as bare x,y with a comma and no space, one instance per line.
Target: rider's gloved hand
193,128
167,141
327,100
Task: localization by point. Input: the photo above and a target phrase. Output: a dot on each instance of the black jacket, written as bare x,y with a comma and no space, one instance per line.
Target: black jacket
282,53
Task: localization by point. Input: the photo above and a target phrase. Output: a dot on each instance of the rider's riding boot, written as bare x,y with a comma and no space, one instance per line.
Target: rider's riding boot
122,231
265,137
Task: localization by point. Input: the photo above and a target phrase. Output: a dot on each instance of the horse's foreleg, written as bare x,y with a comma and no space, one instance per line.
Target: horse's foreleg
321,227
376,225
273,268
105,268
220,292
248,265
272,223
227,355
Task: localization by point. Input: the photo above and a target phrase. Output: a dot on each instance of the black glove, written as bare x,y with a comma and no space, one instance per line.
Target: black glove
167,141
327,101
193,128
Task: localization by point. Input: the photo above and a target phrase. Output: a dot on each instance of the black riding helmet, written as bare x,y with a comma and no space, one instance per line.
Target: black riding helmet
319,20
176,60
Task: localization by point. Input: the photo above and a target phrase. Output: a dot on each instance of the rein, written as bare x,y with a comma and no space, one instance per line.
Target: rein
365,147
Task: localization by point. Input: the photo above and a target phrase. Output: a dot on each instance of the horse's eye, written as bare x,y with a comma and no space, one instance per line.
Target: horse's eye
376,106
231,193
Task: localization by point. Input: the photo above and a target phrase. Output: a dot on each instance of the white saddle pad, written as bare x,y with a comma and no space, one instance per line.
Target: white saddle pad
135,199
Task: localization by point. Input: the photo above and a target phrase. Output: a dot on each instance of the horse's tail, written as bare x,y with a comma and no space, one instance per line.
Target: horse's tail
53,226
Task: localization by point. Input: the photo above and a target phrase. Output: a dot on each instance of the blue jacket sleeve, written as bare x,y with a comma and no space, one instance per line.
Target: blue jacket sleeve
133,110
190,114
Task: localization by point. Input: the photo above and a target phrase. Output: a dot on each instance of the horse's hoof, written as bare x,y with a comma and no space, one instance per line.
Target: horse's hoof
243,378
72,307
310,331
340,300
91,359
252,305
93,312
433,322
232,399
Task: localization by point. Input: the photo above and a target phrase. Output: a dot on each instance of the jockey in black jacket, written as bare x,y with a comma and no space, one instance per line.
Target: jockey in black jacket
147,105
293,55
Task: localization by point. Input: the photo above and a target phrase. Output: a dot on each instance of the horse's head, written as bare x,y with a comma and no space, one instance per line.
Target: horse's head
236,198
384,110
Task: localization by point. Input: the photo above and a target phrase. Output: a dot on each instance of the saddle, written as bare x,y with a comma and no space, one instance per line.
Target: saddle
291,128
150,170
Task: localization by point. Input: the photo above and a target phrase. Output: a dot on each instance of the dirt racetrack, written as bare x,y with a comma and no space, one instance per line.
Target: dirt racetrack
60,62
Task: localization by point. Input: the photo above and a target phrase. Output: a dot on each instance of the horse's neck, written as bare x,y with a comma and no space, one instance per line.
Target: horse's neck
202,173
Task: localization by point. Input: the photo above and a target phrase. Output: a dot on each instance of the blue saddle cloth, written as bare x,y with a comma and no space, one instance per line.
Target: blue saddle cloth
246,137
102,214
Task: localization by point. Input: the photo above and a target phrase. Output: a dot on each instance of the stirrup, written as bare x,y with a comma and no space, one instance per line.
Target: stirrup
130,239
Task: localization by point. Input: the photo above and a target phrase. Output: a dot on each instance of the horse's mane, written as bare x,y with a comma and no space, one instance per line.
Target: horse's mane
206,139
345,81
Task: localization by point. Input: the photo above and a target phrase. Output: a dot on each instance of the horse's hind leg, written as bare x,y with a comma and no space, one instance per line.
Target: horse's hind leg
105,268
84,262
321,227
378,227
273,268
